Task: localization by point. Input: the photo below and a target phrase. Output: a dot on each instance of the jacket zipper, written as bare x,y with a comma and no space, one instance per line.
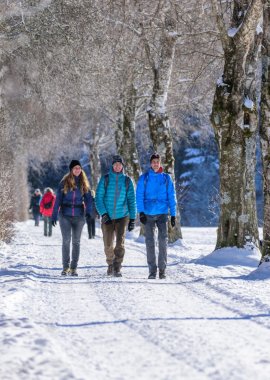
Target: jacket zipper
73,203
115,196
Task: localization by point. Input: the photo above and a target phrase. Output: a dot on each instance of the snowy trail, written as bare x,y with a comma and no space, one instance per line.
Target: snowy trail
202,322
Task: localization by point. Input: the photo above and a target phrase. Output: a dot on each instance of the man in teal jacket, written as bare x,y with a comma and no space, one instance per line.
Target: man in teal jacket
115,202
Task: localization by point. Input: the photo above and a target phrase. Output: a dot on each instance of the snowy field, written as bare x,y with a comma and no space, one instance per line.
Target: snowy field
210,319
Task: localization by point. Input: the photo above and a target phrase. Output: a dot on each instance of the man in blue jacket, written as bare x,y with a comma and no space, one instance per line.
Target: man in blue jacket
115,202
155,195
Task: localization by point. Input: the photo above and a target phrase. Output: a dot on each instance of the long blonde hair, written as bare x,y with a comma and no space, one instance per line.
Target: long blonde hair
70,184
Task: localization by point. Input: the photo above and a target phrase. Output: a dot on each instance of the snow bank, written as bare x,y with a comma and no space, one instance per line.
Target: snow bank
232,256
261,273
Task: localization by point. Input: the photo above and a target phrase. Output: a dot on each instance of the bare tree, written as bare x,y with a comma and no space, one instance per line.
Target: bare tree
265,129
234,119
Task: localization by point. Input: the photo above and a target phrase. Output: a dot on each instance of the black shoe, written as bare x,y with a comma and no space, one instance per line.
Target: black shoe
73,272
110,270
162,274
117,273
65,271
152,276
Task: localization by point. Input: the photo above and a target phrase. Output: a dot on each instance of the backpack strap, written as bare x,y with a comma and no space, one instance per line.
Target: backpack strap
127,181
106,182
167,184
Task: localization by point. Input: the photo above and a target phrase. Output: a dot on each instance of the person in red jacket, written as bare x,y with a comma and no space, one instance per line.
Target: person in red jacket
46,209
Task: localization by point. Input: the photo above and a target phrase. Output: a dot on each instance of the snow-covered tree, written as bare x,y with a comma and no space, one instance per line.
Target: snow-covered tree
265,129
234,119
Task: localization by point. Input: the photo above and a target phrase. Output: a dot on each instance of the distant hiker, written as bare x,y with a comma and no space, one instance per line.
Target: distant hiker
73,200
91,219
155,195
46,209
115,202
34,206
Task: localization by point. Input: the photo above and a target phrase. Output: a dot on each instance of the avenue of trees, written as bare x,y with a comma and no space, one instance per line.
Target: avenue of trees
121,76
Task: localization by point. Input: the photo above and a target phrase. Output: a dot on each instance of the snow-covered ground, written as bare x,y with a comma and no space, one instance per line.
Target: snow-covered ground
208,320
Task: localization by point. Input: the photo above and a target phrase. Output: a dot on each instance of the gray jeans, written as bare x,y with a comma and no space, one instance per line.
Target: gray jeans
161,221
71,227
47,226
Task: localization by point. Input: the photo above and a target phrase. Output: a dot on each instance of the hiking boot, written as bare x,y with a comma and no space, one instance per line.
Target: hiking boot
152,276
65,271
73,272
162,274
117,272
110,270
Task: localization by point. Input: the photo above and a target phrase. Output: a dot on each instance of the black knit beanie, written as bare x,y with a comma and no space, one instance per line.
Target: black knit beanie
74,163
117,158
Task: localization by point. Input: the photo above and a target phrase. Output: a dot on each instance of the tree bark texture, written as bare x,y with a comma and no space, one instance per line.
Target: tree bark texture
94,160
125,134
234,119
265,130
6,161
159,124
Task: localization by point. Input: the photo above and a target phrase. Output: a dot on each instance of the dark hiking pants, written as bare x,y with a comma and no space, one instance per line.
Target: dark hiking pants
71,228
161,221
47,226
117,229
36,216
91,227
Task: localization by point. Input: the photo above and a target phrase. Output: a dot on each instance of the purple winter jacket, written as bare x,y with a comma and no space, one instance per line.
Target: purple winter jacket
73,203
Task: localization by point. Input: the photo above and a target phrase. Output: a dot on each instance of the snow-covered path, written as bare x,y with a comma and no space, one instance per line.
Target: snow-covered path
207,320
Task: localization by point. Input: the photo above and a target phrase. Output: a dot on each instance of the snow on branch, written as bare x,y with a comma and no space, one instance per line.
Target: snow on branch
248,103
19,10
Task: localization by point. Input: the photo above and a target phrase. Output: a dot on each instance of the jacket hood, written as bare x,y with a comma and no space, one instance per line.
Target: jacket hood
160,170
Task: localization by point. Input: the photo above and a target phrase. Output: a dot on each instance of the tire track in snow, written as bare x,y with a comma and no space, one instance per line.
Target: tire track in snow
190,284
243,305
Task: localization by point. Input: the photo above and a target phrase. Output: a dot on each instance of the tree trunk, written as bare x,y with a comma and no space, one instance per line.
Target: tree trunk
234,119
6,164
94,160
265,130
158,120
20,192
125,135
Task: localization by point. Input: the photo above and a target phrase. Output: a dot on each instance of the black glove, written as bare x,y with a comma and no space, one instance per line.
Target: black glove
172,221
106,219
54,222
131,224
143,218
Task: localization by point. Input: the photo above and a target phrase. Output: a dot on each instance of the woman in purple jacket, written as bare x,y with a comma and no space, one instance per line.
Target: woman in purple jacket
73,201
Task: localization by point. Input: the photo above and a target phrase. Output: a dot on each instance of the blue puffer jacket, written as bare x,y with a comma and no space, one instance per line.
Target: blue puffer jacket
115,200
73,203
155,194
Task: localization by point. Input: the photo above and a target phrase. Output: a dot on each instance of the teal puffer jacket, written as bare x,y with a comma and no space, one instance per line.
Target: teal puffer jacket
116,199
